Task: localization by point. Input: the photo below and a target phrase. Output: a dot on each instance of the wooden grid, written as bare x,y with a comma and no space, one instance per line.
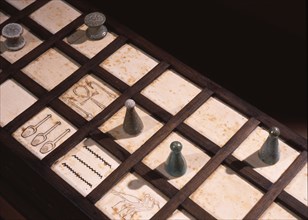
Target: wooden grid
40,169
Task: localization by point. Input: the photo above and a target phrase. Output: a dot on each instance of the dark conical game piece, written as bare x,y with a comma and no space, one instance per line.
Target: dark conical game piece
269,152
96,28
13,34
132,122
176,165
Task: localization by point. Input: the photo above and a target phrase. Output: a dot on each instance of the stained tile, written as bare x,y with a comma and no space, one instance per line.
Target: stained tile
12,56
129,64
55,15
20,4
51,68
166,89
276,211
114,126
14,99
248,151
89,48
89,96
85,166
216,121
44,132
194,157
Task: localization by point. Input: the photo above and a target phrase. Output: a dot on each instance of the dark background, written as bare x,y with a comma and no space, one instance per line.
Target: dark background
255,49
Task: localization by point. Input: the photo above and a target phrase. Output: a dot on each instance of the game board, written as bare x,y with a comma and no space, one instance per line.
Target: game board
64,148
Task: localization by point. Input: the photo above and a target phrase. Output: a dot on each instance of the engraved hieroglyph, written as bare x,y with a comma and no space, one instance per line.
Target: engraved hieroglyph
114,126
55,15
166,91
44,132
194,157
298,187
14,99
44,71
225,195
276,211
129,64
248,151
216,121
20,4
89,96
31,42
89,48
131,198
85,166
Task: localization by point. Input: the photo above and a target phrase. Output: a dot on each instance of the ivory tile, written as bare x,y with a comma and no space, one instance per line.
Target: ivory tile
14,99
129,64
131,198
12,56
55,15
20,4
299,185
166,91
194,157
91,161
180,215
248,151
225,195
51,68
46,126
276,211
216,121
89,96
89,48
114,126
3,17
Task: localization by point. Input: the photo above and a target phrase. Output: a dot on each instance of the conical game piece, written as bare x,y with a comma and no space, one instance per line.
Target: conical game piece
269,152
132,123
176,165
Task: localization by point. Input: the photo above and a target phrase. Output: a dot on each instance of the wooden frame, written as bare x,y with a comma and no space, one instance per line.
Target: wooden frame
55,198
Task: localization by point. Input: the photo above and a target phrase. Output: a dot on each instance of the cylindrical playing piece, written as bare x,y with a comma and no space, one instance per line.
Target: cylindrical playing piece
96,28
12,32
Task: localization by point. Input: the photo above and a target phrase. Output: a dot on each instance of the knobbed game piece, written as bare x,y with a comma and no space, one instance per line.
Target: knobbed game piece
176,165
269,152
12,32
132,123
96,28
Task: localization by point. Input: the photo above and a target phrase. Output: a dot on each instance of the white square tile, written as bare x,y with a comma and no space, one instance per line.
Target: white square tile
89,48
20,4
44,132
114,126
276,211
89,96
55,15
194,157
3,17
51,68
171,91
299,185
92,163
225,195
31,42
131,198
248,151
129,64
216,121
180,215
14,99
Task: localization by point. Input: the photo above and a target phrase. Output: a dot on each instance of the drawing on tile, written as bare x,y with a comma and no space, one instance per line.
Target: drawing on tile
41,137
76,174
32,129
87,165
97,156
49,145
130,205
